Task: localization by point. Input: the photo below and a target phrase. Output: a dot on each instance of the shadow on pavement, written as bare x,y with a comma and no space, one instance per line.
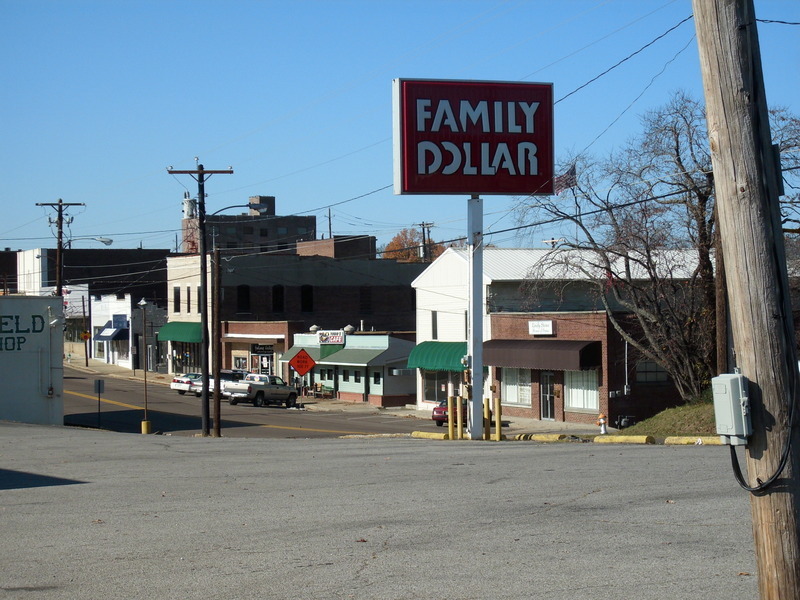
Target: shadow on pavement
129,421
15,480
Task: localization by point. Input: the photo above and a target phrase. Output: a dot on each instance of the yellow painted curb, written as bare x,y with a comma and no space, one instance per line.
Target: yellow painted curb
428,436
624,439
702,440
547,437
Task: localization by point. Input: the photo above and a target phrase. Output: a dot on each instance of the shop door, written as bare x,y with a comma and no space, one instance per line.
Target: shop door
262,363
547,395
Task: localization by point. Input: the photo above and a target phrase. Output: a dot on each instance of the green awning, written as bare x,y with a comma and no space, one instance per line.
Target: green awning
179,331
438,356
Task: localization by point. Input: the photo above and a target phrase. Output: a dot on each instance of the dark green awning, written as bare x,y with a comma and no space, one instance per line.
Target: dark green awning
438,356
180,331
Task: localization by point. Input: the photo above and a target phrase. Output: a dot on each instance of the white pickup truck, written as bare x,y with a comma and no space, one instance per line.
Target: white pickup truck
260,390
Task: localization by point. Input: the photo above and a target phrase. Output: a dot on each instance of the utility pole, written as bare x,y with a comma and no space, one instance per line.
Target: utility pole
426,241
60,206
746,176
217,333
201,175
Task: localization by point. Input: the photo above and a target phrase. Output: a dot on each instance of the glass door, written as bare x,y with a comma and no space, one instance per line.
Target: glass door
547,395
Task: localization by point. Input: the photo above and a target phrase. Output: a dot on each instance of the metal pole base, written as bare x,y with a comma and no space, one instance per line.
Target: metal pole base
145,427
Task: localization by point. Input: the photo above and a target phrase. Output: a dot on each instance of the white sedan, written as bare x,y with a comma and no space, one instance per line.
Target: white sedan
183,383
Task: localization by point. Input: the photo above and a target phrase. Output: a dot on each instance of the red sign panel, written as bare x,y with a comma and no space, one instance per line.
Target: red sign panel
302,362
472,137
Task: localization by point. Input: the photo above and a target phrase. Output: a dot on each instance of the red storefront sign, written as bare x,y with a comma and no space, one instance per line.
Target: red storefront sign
302,362
472,137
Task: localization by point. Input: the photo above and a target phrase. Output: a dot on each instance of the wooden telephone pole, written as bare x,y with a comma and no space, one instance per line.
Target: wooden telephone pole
60,206
746,176
200,174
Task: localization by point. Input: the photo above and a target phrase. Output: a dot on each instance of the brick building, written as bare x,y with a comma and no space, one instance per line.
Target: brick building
266,299
558,359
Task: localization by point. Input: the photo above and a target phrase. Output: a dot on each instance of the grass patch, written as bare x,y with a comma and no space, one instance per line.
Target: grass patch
695,418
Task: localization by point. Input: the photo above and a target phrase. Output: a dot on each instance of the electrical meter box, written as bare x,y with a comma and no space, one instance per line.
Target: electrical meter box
732,408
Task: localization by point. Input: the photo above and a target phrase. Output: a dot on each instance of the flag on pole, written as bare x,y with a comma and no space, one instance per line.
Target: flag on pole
565,181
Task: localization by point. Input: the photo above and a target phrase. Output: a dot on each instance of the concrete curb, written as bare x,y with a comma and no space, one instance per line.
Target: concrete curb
600,439
540,437
703,440
624,439
425,435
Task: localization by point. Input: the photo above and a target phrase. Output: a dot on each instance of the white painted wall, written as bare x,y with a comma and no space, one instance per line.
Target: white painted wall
32,360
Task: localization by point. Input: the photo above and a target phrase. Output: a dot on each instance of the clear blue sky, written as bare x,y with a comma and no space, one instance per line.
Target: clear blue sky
99,97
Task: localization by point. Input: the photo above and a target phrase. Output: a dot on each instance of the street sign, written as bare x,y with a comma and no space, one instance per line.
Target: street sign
85,336
302,363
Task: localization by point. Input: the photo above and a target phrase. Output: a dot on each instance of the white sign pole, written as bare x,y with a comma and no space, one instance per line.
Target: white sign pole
475,334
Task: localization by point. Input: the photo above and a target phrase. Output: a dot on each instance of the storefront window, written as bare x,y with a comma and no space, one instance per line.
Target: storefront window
581,390
516,386
435,385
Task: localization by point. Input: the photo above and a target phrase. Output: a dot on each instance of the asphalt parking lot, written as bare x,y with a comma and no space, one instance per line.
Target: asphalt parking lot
93,514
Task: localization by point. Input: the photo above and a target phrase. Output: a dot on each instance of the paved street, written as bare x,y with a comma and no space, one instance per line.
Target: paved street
93,514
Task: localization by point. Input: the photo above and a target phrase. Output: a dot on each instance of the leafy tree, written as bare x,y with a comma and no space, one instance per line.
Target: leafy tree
408,246
641,228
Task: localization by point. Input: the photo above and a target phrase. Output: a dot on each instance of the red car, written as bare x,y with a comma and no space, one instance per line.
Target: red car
439,414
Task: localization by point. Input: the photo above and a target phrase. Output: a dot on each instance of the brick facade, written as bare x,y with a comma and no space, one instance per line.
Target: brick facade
643,401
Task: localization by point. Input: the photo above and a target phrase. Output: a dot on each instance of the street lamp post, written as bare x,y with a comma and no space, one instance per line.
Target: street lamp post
143,306
103,240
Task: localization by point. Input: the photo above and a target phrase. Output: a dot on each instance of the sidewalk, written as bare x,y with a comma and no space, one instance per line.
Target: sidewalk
511,425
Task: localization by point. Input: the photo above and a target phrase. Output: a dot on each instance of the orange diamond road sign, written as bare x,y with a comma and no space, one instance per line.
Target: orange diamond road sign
302,362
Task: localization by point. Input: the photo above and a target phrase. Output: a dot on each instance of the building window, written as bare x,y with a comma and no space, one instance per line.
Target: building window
263,233
176,299
516,386
365,299
188,299
200,300
247,230
434,325
302,230
345,375
283,230
581,391
357,376
434,385
242,298
648,371
307,298
376,378
277,298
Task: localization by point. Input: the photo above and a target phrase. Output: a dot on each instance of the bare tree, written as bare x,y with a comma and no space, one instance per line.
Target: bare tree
640,225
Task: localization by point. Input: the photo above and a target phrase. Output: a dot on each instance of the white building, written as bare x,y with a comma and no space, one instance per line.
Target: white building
31,360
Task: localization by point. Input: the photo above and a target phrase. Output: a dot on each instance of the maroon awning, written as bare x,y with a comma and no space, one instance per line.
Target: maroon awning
552,355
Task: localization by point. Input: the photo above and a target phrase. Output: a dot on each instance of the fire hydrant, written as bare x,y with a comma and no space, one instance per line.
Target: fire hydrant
601,421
